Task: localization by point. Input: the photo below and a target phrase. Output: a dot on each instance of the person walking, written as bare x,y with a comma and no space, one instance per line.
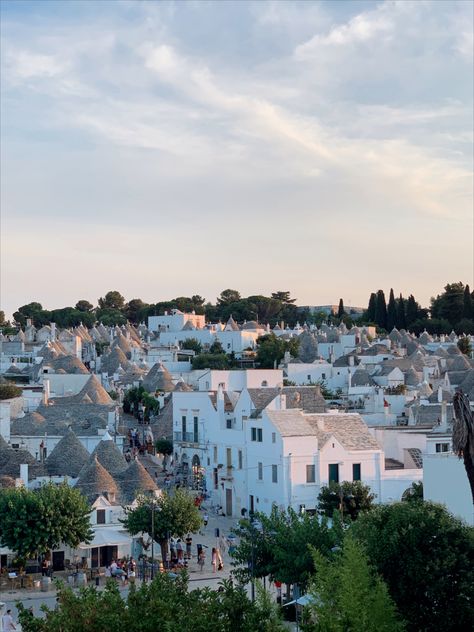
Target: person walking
214,559
189,542
205,519
7,621
180,550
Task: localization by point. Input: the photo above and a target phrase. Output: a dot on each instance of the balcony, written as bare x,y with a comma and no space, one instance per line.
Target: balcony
186,437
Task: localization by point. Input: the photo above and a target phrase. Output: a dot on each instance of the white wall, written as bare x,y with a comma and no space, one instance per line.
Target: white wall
65,384
445,481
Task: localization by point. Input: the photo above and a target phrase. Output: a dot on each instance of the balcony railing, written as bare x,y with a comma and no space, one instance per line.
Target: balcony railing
186,437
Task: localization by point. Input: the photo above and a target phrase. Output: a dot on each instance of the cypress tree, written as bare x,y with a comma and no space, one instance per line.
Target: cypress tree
412,310
371,308
340,311
467,311
391,311
401,320
381,310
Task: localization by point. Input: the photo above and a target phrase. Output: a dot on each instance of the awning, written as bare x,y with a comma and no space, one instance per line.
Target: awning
304,600
107,537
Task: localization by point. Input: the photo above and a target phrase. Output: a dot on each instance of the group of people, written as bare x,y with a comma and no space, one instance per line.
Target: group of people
123,569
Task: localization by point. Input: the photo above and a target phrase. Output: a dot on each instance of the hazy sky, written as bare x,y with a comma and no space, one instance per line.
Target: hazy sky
167,149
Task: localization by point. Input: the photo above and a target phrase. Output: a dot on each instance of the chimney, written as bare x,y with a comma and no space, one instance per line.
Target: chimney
444,416
5,418
53,331
351,360
24,473
28,322
220,398
440,394
46,392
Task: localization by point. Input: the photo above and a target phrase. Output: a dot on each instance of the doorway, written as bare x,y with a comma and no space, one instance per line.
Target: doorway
228,502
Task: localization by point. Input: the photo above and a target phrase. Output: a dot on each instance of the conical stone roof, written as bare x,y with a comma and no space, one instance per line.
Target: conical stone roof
135,480
158,379
95,480
109,456
68,457
95,391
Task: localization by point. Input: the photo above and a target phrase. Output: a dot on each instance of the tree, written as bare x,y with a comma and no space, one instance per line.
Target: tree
401,320
450,304
271,350
217,361
414,493
84,306
278,546
135,310
348,595
349,498
110,317
228,296
37,521
166,603
216,347
381,310
464,345
112,300
164,446
467,310
2,318
426,557
391,311
136,396
283,297
174,516
192,344
35,311
371,308
464,326
9,391
411,313
340,310
432,326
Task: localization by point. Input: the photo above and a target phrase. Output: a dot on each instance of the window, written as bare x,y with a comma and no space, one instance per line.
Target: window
356,472
274,437
229,457
100,516
260,471
256,434
274,473
229,424
240,459
309,378
183,426
334,472
264,383
310,474
196,429
442,447
216,478
215,454
323,376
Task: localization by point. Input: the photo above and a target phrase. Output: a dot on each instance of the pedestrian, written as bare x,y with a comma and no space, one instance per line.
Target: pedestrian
214,559
205,519
44,567
180,549
201,558
220,562
7,621
189,542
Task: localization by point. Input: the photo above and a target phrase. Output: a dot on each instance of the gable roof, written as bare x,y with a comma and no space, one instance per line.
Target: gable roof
348,428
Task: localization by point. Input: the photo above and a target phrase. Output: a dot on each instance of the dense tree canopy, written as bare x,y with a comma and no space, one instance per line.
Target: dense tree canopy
426,557
165,604
36,521
271,349
9,391
349,498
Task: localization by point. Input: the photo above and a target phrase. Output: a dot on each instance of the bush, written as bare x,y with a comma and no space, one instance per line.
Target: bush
9,391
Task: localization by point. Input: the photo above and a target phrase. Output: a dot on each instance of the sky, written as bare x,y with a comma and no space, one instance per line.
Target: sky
178,148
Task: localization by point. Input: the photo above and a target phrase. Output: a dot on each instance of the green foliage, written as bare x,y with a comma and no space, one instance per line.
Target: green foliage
414,493
468,304
136,396
340,310
349,498
371,308
401,319
391,311
174,516
110,317
112,300
271,350
279,546
426,557
381,310
164,446
36,521
347,595
464,326
2,318
216,347
464,345
135,310
192,344
163,605
9,391
35,311
432,326
218,361
70,317
451,304
84,306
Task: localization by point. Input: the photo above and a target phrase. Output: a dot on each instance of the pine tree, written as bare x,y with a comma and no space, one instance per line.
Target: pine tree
341,311
401,320
467,304
381,310
391,312
371,308
412,310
